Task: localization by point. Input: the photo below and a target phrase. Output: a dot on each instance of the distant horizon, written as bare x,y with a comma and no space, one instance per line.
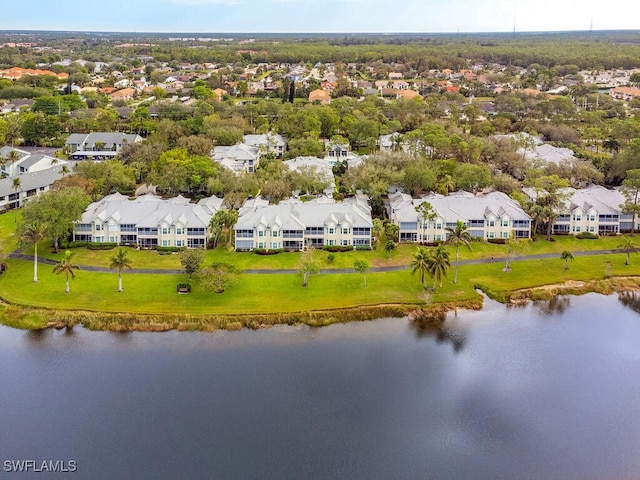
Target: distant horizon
262,33
313,17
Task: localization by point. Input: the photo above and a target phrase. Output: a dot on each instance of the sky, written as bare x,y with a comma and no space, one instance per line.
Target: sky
312,16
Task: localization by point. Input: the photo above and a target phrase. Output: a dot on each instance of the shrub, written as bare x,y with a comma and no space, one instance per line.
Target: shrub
264,251
331,257
77,244
101,245
168,250
337,248
363,247
586,235
498,241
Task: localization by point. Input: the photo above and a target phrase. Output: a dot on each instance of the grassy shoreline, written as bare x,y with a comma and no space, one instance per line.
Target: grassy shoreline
150,302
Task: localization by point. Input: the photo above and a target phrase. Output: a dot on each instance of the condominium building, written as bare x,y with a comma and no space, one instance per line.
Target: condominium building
292,225
148,221
487,216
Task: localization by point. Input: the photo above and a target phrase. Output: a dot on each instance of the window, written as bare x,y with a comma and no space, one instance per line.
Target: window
260,234
505,223
165,231
492,223
165,243
438,238
491,235
332,242
505,235
592,218
345,243
275,245
112,239
577,229
274,233
438,226
179,231
345,231
577,218
179,243
592,229
260,244
332,231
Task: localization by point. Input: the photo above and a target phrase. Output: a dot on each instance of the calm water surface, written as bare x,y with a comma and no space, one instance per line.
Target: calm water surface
547,391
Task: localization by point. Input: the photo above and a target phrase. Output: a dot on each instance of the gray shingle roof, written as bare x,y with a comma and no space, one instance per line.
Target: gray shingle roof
151,211
296,215
463,206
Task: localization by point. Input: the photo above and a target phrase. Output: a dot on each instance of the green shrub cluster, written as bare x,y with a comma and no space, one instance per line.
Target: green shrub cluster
168,250
264,251
101,245
77,244
586,235
337,248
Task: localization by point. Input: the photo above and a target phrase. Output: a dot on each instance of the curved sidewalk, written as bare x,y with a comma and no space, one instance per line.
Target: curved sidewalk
391,268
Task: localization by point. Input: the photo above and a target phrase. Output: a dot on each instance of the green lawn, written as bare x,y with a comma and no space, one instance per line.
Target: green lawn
152,293
283,293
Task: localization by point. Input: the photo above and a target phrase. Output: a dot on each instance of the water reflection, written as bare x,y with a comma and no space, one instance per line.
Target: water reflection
434,326
557,305
38,336
630,300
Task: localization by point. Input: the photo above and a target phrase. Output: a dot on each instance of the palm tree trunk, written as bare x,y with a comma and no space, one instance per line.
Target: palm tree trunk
119,281
627,261
67,289
455,274
35,263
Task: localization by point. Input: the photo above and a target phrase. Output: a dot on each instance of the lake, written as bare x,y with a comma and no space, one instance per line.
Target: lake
546,391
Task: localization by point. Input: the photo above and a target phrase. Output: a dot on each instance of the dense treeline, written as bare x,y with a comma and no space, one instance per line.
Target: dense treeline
598,50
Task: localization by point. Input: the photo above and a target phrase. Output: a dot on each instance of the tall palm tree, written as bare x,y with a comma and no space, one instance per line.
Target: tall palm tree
439,264
458,235
31,234
420,264
567,257
627,247
67,267
16,184
120,262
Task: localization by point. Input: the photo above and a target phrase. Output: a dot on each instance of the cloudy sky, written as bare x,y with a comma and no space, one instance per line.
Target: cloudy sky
248,16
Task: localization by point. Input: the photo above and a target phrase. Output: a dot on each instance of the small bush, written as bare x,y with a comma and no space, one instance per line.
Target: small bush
587,236
168,250
498,241
101,245
363,247
264,251
337,248
331,257
77,244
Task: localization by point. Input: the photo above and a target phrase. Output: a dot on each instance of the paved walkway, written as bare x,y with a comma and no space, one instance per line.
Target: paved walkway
392,268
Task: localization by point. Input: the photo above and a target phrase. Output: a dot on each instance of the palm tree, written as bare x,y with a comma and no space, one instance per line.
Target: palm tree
627,247
567,257
421,263
439,264
16,184
67,267
459,235
390,247
31,234
120,262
